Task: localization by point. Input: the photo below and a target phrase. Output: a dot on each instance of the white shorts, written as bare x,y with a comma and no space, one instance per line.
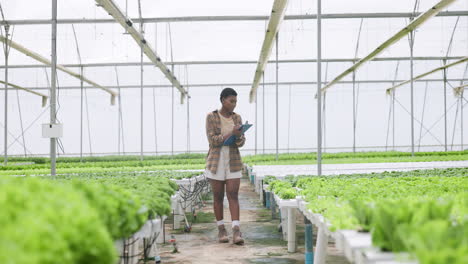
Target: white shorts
223,171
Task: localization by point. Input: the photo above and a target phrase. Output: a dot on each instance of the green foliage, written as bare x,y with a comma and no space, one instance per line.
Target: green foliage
437,241
42,222
119,210
399,208
283,189
153,192
268,179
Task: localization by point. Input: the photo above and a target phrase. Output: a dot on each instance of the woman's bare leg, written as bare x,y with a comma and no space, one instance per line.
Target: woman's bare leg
217,188
232,192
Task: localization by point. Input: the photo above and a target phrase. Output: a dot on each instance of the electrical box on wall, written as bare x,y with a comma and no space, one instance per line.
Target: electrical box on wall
52,130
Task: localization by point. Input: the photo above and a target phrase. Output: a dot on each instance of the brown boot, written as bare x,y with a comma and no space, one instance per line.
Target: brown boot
237,236
222,234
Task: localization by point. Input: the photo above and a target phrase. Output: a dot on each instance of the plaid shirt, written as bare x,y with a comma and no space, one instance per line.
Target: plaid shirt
213,132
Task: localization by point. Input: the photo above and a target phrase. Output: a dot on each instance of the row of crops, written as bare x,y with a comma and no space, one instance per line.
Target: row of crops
114,164
422,212
76,218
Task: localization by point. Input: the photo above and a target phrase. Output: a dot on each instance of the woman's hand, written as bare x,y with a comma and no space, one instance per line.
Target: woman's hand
236,131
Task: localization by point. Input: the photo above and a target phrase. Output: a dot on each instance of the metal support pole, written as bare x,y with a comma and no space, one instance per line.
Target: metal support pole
354,111
188,119
53,141
393,117
81,115
309,243
289,117
277,113
256,124
5,150
263,113
412,92
141,91
172,114
319,87
291,230
461,121
445,106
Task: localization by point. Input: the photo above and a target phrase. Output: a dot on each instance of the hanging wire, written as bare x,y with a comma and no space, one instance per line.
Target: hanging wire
324,113
449,48
172,89
7,49
121,138
388,124
432,126
422,116
415,119
188,108
455,123
59,142
87,120
356,93
21,121
26,130
154,95
391,113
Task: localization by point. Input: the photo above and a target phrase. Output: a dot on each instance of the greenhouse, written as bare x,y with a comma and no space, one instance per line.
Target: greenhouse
268,131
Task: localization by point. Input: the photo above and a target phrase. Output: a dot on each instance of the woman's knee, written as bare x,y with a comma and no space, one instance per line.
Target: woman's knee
218,197
232,195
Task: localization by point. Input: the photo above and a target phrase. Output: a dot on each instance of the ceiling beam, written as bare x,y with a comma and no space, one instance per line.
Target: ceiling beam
227,18
217,85
112,8
274,23
43,96
389,90
47,62
418,21
129,64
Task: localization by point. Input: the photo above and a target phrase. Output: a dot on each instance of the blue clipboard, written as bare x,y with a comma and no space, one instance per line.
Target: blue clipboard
233,138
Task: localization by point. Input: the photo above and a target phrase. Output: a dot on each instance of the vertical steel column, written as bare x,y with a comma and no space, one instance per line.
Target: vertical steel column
53,141
461,121
81,115
154,96
445,106
188,118
141,92
393,117
412,91
354,111
256,124
172,113
309,243
263,112
319,87
5,161
289,117
277,113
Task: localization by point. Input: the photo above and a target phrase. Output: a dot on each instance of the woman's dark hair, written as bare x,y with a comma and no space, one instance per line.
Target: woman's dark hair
227,92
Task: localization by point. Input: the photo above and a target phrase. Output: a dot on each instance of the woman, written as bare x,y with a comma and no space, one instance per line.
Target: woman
223,163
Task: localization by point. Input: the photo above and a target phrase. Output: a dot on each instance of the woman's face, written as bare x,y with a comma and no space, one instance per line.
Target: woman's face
229,103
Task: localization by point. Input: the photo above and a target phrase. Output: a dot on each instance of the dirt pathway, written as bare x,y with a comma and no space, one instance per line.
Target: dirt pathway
263,242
